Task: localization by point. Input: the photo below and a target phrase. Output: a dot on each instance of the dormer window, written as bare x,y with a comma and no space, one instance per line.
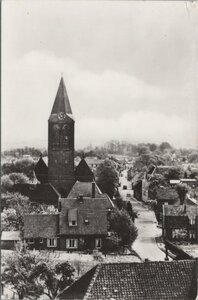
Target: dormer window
72,217
73,223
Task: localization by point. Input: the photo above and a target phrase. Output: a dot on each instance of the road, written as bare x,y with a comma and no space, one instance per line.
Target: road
145,244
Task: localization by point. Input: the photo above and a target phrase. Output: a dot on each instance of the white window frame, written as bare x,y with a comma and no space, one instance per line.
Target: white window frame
50,244
41,240
98,240
71,243
192,221
192,234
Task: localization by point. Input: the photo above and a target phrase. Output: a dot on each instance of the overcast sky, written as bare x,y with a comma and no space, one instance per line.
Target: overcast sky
129,69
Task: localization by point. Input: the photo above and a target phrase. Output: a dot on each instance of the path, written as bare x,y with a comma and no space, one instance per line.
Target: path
145,244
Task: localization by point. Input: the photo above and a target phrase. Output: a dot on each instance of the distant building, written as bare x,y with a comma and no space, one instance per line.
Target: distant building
165,195
180,223
137,281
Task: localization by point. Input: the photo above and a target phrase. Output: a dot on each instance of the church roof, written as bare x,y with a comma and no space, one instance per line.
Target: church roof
41,171
83,172
85,189
61,103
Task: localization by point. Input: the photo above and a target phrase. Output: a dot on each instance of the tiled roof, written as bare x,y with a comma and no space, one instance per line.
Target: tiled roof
181,210
79,288
41,226
39,193
143,281
11,236
83,172
94,210
85,189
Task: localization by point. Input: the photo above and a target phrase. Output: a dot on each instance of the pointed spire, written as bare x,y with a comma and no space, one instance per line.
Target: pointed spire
61,103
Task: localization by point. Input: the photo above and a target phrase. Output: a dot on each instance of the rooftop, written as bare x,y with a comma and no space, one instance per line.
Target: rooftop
11,236
138,281
41,226
91,215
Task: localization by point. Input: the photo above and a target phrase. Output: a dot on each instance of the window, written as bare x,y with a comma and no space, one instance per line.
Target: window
98,243
52,242
30,241
41,241
71,243
192,221
192,234
73,223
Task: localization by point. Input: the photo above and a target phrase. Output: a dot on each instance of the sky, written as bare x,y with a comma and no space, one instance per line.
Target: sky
130,70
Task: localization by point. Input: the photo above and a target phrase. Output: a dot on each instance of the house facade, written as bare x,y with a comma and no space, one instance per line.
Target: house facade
80,225
180,223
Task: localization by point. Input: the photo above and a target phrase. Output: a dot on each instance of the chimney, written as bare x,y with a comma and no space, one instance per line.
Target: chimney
93,189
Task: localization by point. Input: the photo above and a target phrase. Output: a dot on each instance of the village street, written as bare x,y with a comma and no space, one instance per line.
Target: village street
145,244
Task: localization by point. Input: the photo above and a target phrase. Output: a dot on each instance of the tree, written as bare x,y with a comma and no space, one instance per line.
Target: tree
132,213
155,183
54,278
18,272
164,146
107,177
22,165
32,275
174,173
182,190
7,181
122,225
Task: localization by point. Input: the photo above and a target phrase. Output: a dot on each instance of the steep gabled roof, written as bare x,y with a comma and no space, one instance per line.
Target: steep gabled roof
41,171
83,172
61,103
41,226
139,281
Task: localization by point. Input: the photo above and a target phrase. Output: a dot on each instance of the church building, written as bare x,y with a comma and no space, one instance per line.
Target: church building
61,172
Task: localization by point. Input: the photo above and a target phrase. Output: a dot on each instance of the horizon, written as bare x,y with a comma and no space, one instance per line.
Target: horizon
130,77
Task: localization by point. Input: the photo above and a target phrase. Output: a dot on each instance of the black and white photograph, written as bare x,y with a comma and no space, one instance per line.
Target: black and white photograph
99,150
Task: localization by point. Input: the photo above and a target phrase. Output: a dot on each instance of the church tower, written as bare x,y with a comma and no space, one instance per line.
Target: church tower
61,143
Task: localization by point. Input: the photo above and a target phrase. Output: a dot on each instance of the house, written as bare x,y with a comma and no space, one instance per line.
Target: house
41,231
165,195
140,185
180,223
175,280
9,239
137,185
81,224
